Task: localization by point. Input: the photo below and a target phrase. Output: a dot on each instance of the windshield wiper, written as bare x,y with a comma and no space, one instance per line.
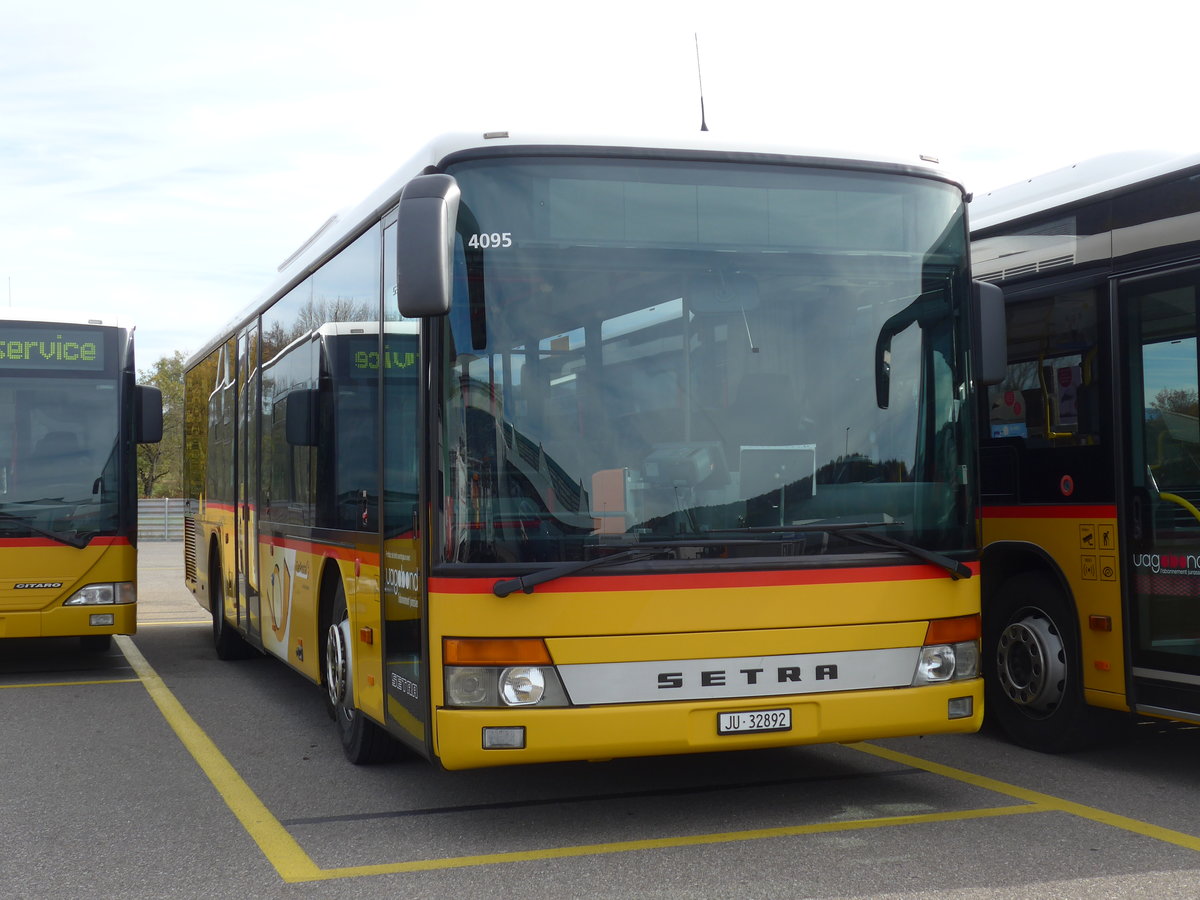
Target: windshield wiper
827,527
526,583
953,567
75,539
855,531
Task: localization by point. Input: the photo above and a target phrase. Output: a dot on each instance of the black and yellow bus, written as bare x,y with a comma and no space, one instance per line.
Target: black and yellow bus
71,416
1091,449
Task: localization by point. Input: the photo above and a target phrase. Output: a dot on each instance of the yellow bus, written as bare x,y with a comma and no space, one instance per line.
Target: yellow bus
562,450
71,417
1091,449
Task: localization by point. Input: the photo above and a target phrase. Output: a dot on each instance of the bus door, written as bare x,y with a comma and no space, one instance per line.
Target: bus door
246,520
1162,491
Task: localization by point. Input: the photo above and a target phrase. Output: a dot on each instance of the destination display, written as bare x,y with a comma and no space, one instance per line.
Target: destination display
50,348
360,355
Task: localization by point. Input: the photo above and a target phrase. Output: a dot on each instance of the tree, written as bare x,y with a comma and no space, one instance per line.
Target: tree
160,466
1177,400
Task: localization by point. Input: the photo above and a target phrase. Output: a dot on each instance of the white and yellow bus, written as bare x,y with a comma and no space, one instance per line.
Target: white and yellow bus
1091,449
557,450
71,417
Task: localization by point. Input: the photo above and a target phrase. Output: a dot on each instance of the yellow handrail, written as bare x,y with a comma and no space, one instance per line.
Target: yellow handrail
1175,498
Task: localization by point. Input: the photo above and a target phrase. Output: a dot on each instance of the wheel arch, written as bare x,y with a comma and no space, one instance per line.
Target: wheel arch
215,569
331,577
1004,560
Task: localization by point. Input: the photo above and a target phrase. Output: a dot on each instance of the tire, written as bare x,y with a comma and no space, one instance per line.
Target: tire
363,741
1032,668
226,640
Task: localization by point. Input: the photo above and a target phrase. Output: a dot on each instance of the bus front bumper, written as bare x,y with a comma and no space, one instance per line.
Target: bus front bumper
70,621
654,729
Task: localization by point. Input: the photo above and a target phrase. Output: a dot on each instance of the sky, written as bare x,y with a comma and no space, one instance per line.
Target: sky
159,160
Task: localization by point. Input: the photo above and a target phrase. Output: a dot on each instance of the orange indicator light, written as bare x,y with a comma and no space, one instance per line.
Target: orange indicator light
952,631
1100,623
495,652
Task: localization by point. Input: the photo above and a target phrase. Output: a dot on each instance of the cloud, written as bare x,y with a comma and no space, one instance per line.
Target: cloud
162,159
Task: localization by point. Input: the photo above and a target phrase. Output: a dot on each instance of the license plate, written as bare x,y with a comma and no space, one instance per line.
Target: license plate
751,722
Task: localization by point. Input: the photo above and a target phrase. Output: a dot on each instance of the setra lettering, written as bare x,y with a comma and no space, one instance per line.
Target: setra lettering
724,678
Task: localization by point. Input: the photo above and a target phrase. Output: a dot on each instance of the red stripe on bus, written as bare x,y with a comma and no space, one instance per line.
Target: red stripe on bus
1058,511
675,582
348,554
117,541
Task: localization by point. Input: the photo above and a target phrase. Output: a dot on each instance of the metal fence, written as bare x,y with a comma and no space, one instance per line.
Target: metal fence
160,519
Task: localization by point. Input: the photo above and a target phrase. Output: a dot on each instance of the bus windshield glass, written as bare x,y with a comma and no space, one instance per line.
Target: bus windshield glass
59,423
735,359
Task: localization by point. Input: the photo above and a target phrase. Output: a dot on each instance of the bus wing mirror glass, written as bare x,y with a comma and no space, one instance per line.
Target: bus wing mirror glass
991,334
425,230
150,414
301,411
883,368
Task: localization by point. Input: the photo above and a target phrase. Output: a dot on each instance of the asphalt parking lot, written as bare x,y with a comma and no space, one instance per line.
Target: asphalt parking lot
155,770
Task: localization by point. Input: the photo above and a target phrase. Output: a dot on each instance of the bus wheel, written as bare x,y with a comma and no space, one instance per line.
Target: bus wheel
1033,668
363,741
226,641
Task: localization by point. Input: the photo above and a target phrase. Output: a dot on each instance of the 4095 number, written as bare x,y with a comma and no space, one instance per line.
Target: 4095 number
489,240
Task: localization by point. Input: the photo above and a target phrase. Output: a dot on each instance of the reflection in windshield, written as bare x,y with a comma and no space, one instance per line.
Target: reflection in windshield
667,376
58,443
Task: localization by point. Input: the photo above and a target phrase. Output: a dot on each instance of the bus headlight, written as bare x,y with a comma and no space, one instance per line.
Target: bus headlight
939,663
496,687
522,685
468,686
950,651
103,594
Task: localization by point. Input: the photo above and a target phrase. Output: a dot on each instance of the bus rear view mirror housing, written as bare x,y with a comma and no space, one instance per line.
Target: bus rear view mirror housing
990,336
989,339
425,229
149,415
301,423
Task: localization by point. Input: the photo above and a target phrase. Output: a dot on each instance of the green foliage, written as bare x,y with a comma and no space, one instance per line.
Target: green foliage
160,466
1177,400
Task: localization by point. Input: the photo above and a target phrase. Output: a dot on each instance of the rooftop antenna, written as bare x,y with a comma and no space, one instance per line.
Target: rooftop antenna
700,79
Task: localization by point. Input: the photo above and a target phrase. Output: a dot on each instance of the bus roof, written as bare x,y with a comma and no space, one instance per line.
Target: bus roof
57,317
1087,180
342,227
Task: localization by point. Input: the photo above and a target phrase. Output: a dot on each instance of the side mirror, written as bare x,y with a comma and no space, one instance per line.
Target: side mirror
300,407
425,230
883,368
149,413
990,336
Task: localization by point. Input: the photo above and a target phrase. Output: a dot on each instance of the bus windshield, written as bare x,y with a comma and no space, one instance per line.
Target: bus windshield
660,353
59,421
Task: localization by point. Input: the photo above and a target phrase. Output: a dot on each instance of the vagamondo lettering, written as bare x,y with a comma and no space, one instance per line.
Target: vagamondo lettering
50,348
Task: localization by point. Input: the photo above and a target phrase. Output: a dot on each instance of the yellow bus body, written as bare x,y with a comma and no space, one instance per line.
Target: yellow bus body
1082,540
40,574
615,620
611,626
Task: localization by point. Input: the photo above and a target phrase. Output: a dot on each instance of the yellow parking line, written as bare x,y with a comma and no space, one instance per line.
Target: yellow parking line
279,847
758,834
294,865
1045,801
72,683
